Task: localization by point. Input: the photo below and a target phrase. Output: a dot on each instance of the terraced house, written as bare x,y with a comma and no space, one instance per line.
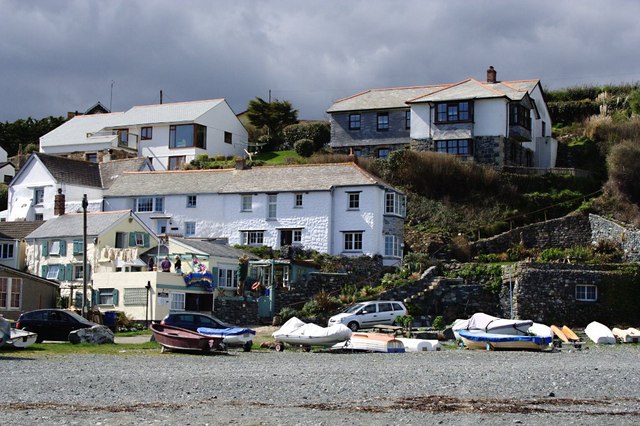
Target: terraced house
501,123
338,209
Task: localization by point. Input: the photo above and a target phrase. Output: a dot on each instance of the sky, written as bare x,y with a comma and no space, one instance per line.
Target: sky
66,55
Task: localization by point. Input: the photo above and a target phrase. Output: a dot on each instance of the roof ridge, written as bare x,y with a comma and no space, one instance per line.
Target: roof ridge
231,169
176,103
447,87
485,85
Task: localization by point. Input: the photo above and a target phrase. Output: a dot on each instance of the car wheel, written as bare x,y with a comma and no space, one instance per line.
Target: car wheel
353,325
279,347
247,346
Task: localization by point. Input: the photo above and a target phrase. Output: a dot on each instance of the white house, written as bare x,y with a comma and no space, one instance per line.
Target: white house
115,242
338,209
501,123
12,243
169,134
32,193
7,169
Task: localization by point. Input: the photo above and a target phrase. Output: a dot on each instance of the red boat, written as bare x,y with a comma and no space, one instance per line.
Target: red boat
176,338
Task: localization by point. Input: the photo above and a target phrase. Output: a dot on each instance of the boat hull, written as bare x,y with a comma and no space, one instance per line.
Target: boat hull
176,338
296,332
21,338
600,334
230,336
491,341
372,342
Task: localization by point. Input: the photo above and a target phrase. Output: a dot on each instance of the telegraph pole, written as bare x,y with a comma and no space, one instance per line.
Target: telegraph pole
85,204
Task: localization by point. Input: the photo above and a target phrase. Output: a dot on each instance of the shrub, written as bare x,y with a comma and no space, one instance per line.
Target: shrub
318,133
287,313
438,323
623,163
552,254
304,147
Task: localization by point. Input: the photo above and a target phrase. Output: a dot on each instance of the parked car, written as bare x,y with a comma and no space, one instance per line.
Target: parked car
368,314
52,324
195,320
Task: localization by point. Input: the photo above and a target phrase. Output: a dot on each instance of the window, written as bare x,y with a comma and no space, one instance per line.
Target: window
77,247
228,137
149,204
54,249
6,251
247,203
357,152
519,115
385,307
10,293
407,120
78,272
395,204
187,135
189,229
353,241
252,238
38,216
354,121
586,293
146,133
139,238
226,277
383,121
454,112
121,239
392,246
92,157
176,301
135,296
272,201
53,271
107,296
123,137
176,162
383,152
38,196
290,237
297,203
354,200
192,201
455,146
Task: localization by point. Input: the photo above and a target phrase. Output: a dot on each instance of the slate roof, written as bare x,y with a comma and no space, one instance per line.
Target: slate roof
28,275
308,177
176,112
18,230
474,89
76,131
382,98
111,170
213,248
67,170
70,225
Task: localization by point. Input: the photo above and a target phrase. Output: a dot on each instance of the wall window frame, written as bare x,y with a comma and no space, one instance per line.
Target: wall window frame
176,162
189,229
192,201
353,200
407,119
149,204
146,133
187,136
355,121
519,115
38,196
353,241
227,277
10,293
460,147
177,301
228,138
78,271
298,200
586,293
53,271
252,238
392,246
382,121
6,250
395,204
454,112
91,157
272,206
383,152
246,202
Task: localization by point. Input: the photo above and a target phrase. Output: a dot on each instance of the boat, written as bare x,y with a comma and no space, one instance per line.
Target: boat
477,339
21,338
371,342
5,331
297,332
630,335
420,345
231,336
176,338
600,333
490,324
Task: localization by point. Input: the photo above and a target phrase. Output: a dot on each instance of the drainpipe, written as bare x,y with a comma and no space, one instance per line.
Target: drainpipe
330,224
272,292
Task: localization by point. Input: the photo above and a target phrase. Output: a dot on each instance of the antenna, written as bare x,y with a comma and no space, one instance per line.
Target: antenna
111,95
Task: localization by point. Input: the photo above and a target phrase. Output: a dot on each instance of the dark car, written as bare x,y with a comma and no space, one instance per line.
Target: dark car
52,324
194,320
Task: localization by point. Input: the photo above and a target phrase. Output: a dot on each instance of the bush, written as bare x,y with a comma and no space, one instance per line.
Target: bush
287,313
304,147
318,133
623,163
438,323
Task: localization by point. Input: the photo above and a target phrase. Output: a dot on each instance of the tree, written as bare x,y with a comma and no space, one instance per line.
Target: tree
624,169
274,116
26,132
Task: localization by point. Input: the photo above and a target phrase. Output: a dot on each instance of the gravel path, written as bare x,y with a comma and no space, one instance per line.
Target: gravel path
595,385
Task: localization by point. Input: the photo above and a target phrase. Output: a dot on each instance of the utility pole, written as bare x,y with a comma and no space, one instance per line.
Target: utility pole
160,97
85,204
111,96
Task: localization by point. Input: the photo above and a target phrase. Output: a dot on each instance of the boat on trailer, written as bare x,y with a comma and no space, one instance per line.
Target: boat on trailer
176,338
490,324
476,339
231,336
298,333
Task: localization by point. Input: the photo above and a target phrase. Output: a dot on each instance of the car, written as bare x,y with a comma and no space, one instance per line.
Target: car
52,324
368,314
195,320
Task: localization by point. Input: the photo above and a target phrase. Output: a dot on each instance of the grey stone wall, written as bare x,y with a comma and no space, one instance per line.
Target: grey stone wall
564,232
489,150
237,312
628,237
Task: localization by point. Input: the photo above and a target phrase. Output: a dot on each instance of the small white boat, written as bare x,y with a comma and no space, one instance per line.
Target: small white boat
296,332
630,335
420,345
21,338
600,334
371,342
233,336
477,339
491,324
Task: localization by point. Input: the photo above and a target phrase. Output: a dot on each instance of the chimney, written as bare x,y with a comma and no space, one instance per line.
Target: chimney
491,75
58,203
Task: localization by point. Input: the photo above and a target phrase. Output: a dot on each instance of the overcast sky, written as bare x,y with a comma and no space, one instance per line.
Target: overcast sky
65,55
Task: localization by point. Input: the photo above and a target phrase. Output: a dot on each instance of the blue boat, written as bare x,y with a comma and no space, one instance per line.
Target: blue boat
476,339
231,336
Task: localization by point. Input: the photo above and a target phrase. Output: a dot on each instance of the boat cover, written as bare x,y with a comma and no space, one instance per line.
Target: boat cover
479,336
224,332
491,324
296,328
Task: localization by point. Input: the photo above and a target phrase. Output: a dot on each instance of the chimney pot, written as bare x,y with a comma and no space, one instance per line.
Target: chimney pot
491,75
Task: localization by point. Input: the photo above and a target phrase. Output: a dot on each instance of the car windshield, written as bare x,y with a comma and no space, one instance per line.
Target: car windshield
78,317
353,309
